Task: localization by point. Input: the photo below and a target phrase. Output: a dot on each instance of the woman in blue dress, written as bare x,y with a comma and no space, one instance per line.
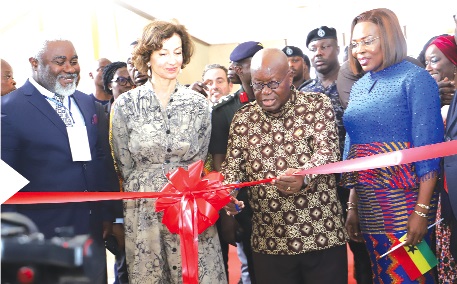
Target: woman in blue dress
394,106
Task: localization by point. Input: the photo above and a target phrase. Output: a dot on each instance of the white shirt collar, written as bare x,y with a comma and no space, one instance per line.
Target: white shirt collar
41,89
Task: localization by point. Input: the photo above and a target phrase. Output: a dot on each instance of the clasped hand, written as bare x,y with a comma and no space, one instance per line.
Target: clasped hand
288,183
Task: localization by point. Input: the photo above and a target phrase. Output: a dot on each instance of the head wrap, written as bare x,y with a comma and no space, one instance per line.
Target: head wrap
447,46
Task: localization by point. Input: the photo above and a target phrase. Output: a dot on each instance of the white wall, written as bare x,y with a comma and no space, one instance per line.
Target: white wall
104,28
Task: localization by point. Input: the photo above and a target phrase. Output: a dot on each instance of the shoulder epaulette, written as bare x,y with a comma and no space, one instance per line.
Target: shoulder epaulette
224,100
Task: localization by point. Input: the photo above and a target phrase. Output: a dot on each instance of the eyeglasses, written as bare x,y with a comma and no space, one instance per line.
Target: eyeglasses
271,85
366,42
123,81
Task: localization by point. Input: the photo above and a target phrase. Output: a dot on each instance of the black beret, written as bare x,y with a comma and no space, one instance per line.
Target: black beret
245,50
321,33
293,51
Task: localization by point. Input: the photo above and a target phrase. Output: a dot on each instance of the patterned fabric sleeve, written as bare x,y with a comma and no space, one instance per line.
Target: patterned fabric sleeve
324,140
426,123
119,139
110,137
204,132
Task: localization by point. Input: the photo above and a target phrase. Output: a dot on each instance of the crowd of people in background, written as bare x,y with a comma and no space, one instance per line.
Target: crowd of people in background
263,115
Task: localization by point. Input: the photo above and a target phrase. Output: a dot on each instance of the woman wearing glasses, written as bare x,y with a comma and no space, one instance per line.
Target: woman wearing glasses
394,106
116,79
156,128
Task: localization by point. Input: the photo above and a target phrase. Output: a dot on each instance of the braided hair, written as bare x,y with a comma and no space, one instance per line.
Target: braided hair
108,74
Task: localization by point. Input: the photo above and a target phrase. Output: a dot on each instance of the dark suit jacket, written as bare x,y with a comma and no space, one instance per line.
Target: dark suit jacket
450,162
34,142
449,201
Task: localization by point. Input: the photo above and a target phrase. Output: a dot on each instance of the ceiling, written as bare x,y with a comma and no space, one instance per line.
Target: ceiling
236,21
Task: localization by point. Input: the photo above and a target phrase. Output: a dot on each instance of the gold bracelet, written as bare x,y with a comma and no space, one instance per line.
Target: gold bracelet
423,206
350,203
423,215
350,207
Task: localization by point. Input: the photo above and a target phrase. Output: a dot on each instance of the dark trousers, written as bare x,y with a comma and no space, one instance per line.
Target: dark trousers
328,266
244,218
121,275
224,246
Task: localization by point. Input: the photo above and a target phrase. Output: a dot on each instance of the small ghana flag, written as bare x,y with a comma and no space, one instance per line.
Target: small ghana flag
415,260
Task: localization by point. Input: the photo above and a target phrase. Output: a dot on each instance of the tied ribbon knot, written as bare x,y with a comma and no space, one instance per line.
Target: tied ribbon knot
193,212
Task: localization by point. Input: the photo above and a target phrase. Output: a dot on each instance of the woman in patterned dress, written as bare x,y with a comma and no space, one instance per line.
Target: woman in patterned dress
156,128
394,106
441,63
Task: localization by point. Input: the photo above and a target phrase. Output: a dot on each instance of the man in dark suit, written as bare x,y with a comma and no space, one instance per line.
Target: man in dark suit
50,135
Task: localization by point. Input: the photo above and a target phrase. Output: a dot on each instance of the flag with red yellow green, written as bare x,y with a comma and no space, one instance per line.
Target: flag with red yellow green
415,260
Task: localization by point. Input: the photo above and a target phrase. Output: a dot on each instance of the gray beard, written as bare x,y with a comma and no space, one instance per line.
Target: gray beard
65,91
52,84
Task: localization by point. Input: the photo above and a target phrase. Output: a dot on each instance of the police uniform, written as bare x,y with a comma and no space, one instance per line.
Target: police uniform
222,115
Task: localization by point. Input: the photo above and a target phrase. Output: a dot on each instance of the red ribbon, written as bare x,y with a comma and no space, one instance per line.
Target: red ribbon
387,159
193,212
191,203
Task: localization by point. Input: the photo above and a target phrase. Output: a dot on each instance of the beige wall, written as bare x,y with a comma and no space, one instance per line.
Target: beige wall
103,29
210,54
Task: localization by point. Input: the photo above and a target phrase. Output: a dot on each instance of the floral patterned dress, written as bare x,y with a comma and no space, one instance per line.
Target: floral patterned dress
148,141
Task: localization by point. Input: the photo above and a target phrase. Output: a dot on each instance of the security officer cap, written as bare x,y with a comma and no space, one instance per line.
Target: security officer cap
245,50
321,33
293,51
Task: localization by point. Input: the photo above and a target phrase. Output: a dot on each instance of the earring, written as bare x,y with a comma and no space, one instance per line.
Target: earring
149,69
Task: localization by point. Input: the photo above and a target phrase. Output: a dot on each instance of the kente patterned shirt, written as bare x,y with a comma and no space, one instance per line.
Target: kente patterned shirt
331,92
262,146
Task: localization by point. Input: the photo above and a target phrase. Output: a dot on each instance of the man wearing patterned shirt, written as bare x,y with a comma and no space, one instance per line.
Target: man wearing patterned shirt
298,233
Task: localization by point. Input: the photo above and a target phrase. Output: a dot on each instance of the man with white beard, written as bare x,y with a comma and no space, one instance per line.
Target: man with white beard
50,135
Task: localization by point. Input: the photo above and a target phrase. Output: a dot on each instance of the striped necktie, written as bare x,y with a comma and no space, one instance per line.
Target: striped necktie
62,110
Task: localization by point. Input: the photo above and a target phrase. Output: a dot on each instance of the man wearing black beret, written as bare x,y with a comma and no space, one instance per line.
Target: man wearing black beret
299,64
323,43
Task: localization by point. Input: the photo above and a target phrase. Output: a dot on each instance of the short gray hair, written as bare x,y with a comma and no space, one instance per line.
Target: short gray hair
215,66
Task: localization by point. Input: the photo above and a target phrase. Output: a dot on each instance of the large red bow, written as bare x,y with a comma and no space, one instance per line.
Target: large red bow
194,212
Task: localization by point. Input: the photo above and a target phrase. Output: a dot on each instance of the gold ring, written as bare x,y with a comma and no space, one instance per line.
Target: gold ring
288,189
356,234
